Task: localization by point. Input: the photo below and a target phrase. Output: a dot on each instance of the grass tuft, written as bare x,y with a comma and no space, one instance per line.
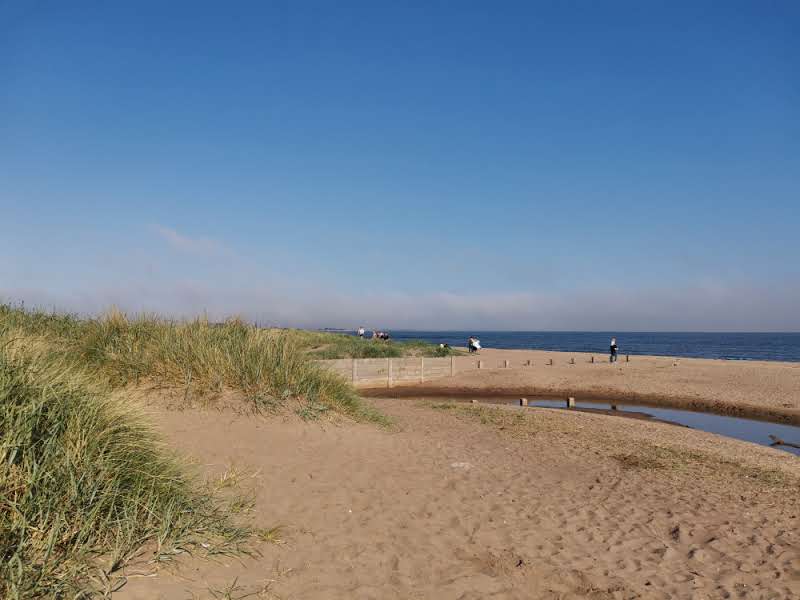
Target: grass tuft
272,535
85,483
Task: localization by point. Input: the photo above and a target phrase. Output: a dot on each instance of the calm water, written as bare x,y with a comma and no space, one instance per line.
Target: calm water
733,346
744,429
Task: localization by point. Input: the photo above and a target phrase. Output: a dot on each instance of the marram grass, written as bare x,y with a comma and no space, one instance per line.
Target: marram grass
268,366
84,482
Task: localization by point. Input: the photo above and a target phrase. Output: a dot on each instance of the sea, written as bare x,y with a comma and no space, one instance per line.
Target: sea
728,346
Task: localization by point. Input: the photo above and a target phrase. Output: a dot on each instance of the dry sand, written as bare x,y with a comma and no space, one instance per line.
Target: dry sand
458,501
744,388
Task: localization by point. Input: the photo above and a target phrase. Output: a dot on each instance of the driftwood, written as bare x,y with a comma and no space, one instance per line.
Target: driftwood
776,441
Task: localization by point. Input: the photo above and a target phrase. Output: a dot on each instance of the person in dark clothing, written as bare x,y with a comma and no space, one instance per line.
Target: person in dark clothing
613,357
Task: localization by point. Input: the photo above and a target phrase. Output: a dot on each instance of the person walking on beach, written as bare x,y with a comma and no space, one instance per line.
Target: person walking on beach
613,357
361,332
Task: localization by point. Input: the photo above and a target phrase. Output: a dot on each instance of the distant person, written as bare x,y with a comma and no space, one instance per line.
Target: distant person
361,332
613,357
473,344
384,336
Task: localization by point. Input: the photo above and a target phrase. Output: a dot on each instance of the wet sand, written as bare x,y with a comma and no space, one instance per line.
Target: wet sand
461,501
758,389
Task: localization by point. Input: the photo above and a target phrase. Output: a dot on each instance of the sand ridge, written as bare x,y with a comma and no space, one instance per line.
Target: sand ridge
467,505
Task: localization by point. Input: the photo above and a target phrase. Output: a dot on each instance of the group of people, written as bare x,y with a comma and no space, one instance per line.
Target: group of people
376,335
474,344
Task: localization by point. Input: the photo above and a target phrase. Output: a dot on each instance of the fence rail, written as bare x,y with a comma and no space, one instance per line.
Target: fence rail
387,372
390,371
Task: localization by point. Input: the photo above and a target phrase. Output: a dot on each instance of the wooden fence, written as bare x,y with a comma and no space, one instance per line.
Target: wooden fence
387,372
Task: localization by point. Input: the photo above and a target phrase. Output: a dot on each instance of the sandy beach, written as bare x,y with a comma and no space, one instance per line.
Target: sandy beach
464,501
741,388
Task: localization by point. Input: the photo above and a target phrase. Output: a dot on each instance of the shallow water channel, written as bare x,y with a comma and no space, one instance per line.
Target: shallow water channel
749,430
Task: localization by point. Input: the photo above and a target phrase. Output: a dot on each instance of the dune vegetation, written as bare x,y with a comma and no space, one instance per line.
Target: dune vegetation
324,345
85,483
203,359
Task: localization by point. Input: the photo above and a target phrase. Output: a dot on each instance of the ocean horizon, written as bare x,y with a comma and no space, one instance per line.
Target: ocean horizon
728,345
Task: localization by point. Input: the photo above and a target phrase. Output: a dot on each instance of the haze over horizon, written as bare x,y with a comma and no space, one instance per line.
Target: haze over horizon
569,166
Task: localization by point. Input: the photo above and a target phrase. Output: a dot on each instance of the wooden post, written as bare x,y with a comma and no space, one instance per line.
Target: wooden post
452,365
572,361
388,372
627,358
354,371
592,360
570,402
523,402
528,363
613,407
506,364
551,362
480,364
421,369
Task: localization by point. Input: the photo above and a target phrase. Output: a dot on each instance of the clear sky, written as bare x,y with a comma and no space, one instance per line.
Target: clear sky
533,165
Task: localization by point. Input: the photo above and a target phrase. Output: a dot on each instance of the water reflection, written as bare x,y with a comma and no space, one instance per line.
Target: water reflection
749,430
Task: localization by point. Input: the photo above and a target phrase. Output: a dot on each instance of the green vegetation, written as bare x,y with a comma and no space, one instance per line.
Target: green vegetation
336,345
269,367
85,484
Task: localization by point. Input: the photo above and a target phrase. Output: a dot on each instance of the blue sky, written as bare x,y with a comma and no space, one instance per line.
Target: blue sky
553,165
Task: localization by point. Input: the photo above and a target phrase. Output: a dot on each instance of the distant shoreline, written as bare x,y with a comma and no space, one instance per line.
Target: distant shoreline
750,346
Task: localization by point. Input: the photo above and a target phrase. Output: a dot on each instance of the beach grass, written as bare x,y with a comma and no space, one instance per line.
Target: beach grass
336,345
268,366
85,484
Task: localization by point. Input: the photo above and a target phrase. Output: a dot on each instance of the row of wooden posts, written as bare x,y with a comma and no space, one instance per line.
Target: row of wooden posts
570,403
529,363
481,364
